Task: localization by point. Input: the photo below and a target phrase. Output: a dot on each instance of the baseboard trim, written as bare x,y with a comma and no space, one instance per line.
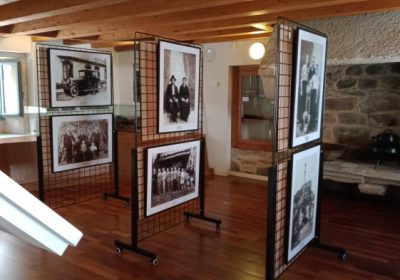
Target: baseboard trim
249,176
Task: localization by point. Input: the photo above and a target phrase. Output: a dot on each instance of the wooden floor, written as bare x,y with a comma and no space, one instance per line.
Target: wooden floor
369,230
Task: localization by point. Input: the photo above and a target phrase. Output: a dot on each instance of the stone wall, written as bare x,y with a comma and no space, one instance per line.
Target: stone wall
361,101
251,162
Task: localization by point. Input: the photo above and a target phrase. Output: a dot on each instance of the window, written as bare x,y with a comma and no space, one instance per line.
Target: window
10,88
252,112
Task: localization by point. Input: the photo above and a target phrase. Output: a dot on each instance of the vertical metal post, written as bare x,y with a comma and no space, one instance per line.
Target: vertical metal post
40,167
271,224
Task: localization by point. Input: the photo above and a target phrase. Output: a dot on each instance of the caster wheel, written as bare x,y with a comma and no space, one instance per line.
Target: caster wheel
343,257
118,250
218,228
186,219
105,197
126,203
154,262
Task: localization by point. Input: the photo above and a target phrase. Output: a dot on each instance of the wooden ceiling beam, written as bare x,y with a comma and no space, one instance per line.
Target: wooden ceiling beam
263,37
125,48
21,11
258,8
118,12
222,33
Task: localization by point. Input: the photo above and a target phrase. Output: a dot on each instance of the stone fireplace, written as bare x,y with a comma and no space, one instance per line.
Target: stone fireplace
361,101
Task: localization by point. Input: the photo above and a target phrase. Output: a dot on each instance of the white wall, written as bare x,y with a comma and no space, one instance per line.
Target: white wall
217,100
123,77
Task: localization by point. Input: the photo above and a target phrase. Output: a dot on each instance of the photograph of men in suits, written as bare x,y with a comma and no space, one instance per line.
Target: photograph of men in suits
179,80
172,99
184,98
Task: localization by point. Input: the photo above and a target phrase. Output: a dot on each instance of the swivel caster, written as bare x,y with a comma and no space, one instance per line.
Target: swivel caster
218,227
105,197
343,257
126,203
154,262
118,250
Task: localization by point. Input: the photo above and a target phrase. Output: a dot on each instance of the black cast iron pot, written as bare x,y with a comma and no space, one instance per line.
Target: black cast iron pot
386,146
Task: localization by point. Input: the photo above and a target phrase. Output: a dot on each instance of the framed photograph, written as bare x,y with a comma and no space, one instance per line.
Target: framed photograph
172,175
79,78
302,200
308,87
81,141
178,87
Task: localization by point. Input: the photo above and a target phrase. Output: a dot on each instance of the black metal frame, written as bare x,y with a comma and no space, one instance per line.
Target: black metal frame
138,222
82,51
158,86
115,194
119,245
201,215
43,149
275,263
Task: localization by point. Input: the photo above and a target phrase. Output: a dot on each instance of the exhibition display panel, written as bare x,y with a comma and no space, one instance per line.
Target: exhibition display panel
168,158
295,177
76,147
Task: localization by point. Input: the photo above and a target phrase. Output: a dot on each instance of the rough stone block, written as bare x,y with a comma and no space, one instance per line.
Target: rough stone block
395,67
372,189
354,70
354,93
341,104
367,83
377,69
352,136
383,120
380,103
330,117
391,82
352,118
346,83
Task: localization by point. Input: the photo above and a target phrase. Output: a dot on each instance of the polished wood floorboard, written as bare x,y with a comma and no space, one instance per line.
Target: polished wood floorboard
369,230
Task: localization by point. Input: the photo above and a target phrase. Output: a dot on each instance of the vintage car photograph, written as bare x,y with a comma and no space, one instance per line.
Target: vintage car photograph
79,78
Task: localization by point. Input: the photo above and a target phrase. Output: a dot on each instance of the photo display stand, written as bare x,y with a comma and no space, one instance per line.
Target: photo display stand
62,187
146,224
279,174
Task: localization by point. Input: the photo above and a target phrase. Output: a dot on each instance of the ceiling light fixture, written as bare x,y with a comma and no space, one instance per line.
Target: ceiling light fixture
257,50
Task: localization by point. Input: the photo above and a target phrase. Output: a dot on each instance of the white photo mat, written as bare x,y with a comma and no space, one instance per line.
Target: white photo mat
69,68
81,126
303,200
181,62
169,157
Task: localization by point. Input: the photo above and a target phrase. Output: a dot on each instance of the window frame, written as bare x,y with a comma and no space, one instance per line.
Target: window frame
237,73
20,95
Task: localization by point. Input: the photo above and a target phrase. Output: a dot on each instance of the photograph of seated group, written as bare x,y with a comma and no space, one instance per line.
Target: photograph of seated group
178,87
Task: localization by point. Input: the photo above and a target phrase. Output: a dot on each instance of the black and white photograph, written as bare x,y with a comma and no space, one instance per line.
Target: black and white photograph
81,141
303,200
309,87
172,175
179,72
79,78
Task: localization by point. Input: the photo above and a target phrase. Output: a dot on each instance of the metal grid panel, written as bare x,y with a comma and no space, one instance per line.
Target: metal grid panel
72,186
146,57
282,151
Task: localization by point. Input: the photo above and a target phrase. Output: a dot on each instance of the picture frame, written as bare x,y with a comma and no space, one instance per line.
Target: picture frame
308,87
79,78
172,175
301,217
178,104
81,141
